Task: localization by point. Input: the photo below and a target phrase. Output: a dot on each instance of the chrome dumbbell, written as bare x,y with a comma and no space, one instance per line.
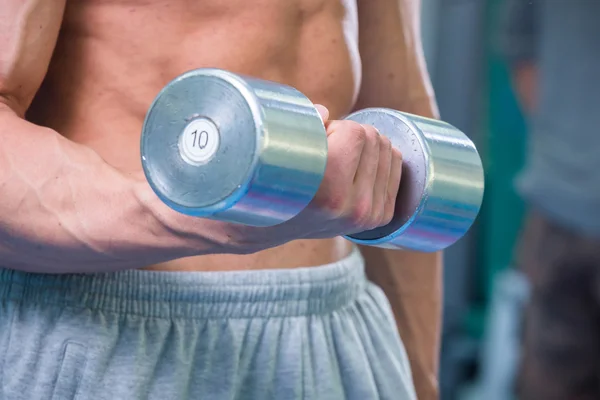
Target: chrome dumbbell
228,147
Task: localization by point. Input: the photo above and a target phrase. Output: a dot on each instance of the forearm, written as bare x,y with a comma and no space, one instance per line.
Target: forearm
395,76
412,283
64,209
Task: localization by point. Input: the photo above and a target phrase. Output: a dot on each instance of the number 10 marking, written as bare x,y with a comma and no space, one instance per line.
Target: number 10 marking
201,140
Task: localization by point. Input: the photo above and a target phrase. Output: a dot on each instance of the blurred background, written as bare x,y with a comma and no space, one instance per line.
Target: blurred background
474,49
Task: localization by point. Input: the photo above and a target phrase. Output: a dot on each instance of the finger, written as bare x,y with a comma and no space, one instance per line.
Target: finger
323,112
393,184
369,160
380,192
345,144
346,141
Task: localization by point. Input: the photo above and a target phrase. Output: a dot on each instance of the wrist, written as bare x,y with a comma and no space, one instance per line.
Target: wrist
186,236
161,221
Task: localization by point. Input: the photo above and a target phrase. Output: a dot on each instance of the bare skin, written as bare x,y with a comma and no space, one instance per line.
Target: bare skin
118,56
89,209
83,73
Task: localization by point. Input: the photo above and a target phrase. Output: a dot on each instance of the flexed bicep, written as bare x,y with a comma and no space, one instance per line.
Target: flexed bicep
28,33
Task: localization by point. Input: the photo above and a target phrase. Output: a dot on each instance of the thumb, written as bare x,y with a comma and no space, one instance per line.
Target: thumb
323,111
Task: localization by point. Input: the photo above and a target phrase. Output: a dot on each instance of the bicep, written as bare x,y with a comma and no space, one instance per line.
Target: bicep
28,34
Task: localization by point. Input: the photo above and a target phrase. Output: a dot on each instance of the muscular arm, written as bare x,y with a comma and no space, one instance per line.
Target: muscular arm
62,208
395,76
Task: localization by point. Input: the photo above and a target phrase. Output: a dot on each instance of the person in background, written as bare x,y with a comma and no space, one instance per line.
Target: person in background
554,57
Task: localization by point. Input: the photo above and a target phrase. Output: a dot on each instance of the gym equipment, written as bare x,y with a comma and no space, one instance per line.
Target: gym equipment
218,145
442,183
234,148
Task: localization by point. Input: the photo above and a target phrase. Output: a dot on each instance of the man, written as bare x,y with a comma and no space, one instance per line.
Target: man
108,294
555,59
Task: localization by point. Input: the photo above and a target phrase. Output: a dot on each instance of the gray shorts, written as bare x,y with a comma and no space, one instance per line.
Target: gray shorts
308,333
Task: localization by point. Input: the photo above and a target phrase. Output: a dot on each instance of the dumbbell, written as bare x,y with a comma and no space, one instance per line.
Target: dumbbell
234,148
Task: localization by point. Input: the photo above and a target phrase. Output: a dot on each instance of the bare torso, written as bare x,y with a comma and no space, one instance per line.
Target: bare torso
114,56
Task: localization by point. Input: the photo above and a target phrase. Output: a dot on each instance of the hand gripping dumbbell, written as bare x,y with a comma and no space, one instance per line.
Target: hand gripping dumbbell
233,148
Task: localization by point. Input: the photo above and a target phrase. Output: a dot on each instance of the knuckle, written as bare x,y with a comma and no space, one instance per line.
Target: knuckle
335,203
386,143
377,221
372,134
397,154
361,212
381,215
370,129
356,130
390,201
388,215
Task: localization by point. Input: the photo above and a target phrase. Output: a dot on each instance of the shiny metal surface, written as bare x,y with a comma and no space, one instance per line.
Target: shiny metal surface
442,182
263,155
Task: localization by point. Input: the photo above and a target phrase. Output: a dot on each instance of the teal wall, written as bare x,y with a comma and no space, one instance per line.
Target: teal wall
503,149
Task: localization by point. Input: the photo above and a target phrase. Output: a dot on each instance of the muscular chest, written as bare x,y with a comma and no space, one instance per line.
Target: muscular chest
255,37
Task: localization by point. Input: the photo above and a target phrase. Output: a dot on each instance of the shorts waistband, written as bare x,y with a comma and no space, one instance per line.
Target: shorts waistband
232,294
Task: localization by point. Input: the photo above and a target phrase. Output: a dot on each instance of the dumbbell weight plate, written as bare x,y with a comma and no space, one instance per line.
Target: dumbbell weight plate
442,183
228,147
